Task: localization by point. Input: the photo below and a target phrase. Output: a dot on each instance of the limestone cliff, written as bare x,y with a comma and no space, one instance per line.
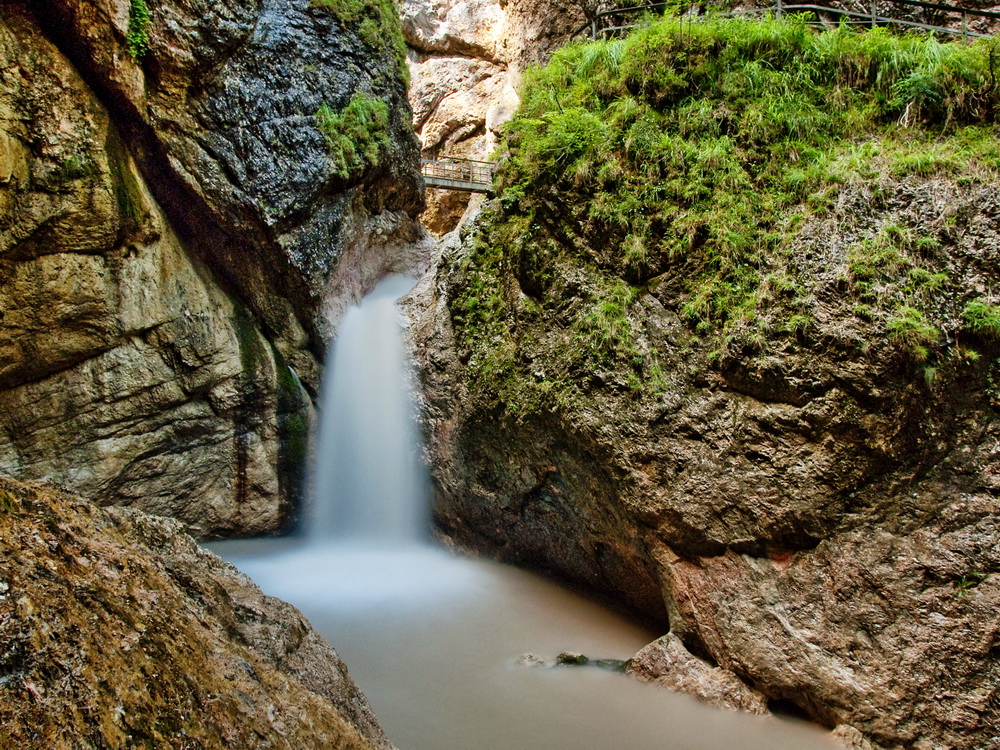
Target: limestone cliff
117,630
466,60
175,232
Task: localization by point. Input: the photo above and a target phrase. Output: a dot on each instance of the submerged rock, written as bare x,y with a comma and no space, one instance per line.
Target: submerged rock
118,630
571,659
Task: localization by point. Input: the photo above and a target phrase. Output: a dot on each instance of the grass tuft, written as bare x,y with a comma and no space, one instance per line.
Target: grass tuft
356,135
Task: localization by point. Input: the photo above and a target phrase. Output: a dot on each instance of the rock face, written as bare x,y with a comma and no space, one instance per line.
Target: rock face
818,519
466,61
667,663
173,233
117,630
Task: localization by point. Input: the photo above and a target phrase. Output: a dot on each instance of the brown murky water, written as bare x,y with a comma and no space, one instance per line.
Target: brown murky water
434,642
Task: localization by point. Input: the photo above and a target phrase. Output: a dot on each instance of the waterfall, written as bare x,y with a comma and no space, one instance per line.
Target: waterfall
432,639
369,484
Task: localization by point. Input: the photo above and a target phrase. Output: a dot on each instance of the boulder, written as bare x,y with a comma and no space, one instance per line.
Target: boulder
118,630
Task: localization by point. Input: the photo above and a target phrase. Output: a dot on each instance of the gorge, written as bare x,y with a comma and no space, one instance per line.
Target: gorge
721,348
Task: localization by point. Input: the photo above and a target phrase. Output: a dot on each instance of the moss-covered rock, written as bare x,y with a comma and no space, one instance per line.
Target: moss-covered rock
729,318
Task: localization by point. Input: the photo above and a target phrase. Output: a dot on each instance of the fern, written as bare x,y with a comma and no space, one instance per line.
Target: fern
356,135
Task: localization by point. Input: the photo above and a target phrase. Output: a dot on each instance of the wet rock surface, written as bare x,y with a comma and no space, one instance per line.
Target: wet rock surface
221,115
175,243
118,630
667,663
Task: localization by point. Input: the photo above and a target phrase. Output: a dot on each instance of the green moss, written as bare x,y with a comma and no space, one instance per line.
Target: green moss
7,502
128,193
137,36
294,419
75,167
293,438
695,153
356,135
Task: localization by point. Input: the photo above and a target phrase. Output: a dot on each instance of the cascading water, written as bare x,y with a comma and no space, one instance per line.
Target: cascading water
369,483
434,641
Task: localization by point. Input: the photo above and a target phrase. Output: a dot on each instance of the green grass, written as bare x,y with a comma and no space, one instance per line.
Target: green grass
356,135
982,318
911,329
696,151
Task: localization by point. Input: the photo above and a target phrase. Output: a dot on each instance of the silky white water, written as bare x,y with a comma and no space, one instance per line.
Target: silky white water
434,640
369,482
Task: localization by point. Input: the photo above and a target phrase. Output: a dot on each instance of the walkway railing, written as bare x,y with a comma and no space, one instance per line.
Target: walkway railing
458,174
610,23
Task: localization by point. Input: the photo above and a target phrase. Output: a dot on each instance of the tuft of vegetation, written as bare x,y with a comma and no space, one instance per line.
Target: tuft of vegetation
376,22
982,318
911,329
356,135
694,152
8,503
137,35
967,582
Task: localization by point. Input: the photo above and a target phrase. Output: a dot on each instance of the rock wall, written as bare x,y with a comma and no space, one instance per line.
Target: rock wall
817,518
172,233
466,61
118,630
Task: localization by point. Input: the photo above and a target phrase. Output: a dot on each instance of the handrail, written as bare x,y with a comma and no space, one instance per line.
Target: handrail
455,173
948,8
594,30
867,18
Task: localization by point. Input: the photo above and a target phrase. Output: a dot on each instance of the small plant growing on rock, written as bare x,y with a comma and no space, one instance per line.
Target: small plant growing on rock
356,135
137,36
982,318
910,328
377,21
967,582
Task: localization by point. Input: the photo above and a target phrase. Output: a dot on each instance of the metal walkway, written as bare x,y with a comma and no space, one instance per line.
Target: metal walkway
611,23
458,174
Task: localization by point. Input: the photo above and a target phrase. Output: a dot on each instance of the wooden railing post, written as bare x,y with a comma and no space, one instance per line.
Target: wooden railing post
778,8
